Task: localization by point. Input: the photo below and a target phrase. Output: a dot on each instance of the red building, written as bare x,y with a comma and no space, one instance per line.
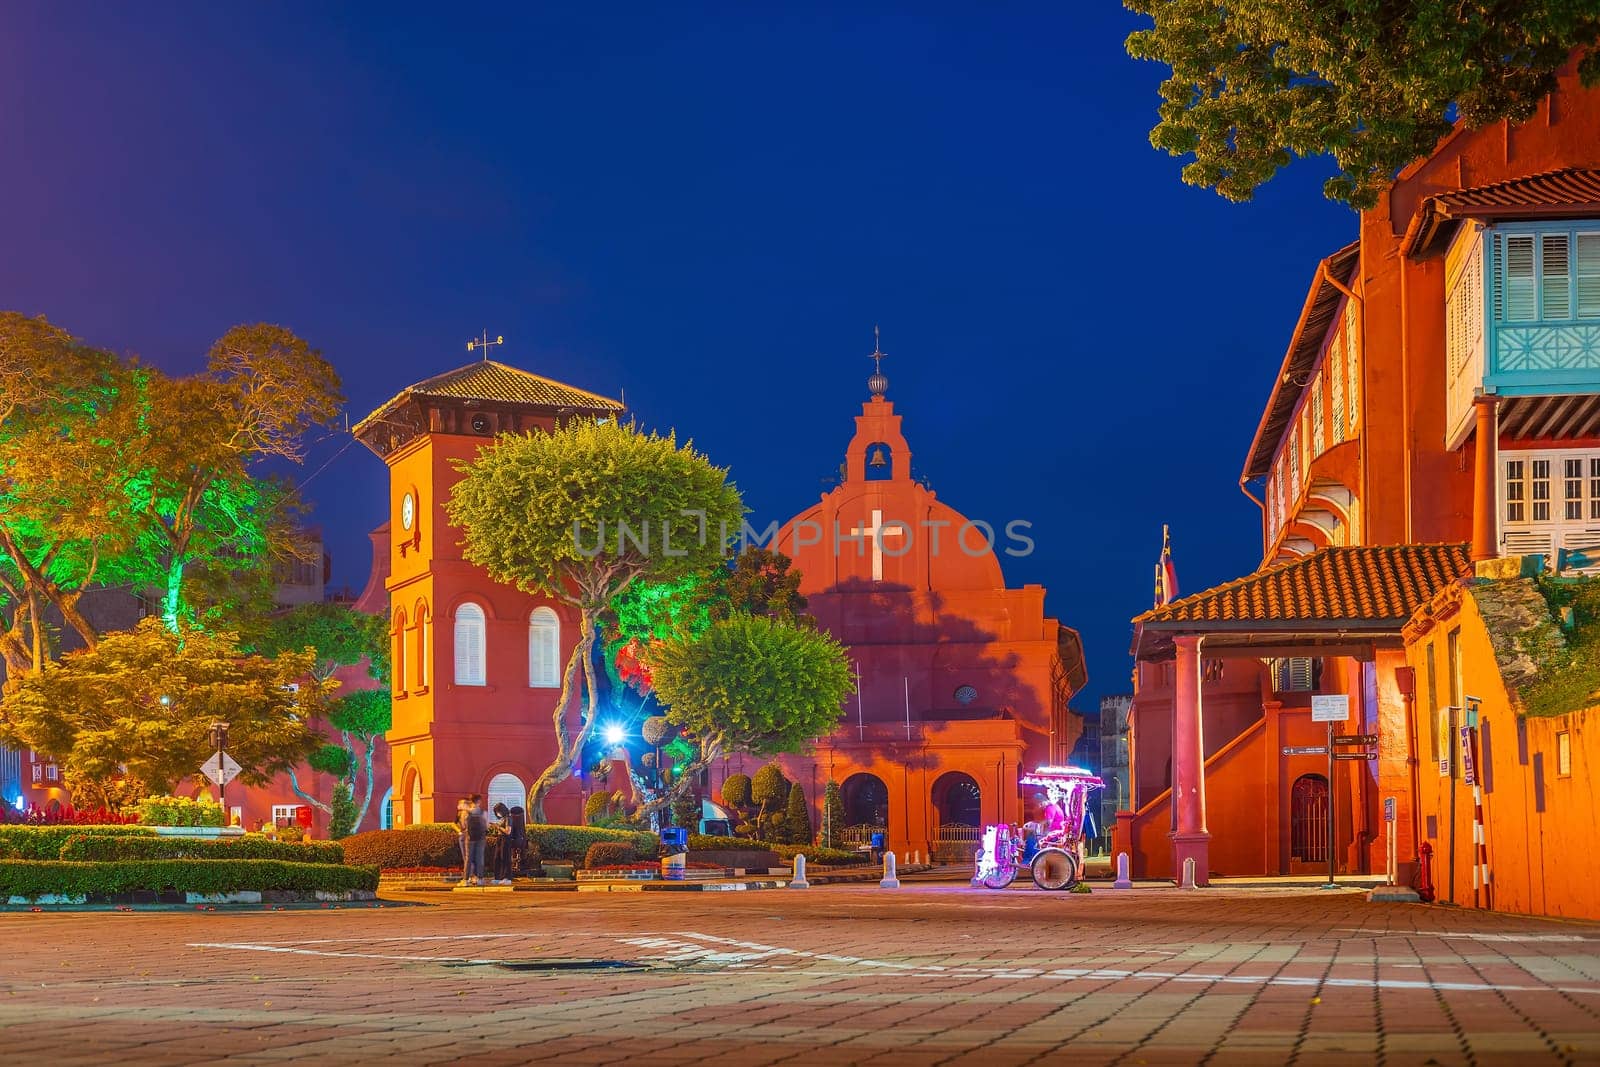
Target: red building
963,682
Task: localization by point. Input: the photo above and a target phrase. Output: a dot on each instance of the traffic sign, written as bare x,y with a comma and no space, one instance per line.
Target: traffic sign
1330,707
1468,769
1388,809
1355,755
1305,750
1356,739
223,774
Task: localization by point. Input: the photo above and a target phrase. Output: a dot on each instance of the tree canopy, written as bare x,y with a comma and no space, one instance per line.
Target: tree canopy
581,514
1373,83
132,716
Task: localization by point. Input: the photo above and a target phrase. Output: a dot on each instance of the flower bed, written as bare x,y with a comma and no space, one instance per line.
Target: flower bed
23,880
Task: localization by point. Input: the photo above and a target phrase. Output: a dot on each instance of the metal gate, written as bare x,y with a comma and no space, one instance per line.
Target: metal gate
955,843
1308,819
860,836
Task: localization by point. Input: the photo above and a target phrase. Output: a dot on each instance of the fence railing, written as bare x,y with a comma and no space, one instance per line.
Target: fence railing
955,843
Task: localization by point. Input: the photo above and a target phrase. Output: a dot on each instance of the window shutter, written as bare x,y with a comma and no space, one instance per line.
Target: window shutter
1588,264
1514,282
1352,356
469,650
1555,277
544,648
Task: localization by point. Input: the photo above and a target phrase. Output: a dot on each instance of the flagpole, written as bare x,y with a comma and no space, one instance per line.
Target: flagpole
907,682
861,727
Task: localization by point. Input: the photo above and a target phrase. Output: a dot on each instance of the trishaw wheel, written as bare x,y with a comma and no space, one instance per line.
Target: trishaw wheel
1001,877
1054,868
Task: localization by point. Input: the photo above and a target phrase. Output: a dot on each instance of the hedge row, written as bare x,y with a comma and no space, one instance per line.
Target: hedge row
32,878
107,849
45,842
436,845
813,853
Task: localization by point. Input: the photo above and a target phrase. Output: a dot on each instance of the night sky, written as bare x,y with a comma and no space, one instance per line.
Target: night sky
707,208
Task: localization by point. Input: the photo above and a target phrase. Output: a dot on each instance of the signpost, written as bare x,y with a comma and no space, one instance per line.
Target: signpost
223,774
1388,828
1331,708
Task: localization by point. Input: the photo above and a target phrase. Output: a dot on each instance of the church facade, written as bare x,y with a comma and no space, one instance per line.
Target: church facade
963,682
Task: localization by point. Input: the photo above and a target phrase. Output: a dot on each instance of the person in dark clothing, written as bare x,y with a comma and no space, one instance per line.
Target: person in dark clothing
517,836
477,833
502,845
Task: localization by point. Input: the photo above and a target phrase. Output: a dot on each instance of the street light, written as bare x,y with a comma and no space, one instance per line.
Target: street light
614,734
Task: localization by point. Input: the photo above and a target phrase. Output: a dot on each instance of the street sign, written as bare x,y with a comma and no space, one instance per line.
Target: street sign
1356,739
1305,750
1468,771
227,772
1355,755
1330,707
1388,809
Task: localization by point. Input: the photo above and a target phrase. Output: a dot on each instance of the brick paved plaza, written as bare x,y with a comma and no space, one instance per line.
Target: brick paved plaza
845,974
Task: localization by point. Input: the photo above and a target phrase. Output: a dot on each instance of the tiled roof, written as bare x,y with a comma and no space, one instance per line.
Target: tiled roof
1551,194
1363,586
489,380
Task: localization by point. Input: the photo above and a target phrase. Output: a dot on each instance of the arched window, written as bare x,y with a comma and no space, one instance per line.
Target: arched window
506,789
544,649
469,652
386,811
422,644
414,800
397,652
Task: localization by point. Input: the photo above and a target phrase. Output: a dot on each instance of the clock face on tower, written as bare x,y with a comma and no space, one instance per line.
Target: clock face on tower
408,511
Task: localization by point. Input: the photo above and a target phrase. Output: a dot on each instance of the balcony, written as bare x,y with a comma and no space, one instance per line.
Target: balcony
1522,319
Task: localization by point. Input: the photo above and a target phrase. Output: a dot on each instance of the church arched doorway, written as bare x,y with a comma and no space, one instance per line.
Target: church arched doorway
866,808
1308,819
413,795
958,806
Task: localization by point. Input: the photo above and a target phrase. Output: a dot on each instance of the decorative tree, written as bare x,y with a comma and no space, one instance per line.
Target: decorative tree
337,636
1375,84
769,789
686,811
751,684
797,817
761,581
581,514
832,816
343,816
736,792
132,716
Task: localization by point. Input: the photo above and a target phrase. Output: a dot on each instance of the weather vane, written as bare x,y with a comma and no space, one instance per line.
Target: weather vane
483,344
877,356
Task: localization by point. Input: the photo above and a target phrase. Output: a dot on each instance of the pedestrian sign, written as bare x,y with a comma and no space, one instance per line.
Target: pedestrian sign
221,772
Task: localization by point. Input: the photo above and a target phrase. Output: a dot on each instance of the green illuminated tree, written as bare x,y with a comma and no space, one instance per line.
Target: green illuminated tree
132,716
754,685
581,514
66,423
203,508
1374,83
336,636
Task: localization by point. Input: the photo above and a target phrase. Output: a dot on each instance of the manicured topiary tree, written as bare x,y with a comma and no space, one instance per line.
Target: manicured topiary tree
736,792
832,816
797,817
769,790
686,812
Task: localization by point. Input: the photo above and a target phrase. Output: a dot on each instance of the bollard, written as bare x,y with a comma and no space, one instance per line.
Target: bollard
890,881
1188,875
799,879
1123,881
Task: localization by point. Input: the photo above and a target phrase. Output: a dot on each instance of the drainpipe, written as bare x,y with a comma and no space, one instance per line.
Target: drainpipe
1244,487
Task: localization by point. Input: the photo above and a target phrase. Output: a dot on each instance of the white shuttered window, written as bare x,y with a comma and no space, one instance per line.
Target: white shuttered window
469,645
544,649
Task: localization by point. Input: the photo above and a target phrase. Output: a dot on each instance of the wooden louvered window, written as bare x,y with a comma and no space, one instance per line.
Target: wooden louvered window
1587,264
1336,388
469,645
544,649
1318,438
1352,362
1514,289
1555,277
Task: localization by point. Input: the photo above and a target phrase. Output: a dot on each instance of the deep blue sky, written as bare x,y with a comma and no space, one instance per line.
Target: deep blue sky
707,207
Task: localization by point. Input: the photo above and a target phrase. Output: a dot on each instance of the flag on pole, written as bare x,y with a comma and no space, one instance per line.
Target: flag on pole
1166,572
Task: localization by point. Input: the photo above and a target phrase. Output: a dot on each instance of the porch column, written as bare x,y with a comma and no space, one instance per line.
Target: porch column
1190,840
1485,472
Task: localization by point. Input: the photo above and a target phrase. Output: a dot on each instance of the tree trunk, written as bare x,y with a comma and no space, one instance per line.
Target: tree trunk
172,597
366,787
294,783
663,800
567,746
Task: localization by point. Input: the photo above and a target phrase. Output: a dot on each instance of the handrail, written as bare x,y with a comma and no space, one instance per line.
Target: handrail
1238,739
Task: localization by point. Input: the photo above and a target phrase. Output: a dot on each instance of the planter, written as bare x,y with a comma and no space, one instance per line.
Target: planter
198,831
559,870
644,874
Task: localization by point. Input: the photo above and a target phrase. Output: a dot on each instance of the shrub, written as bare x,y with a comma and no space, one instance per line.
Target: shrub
609,854
657,731
769,788
686,811
86,848
32,878
64,816
833,857
814,853
797,817
342,819
435,845
414,846
45,842
180,811
736,791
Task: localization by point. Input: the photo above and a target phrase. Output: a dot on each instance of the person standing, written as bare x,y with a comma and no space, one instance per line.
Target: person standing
477,833
462,807
502,845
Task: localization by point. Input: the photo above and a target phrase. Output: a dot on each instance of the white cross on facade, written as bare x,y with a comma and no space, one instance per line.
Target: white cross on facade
878,531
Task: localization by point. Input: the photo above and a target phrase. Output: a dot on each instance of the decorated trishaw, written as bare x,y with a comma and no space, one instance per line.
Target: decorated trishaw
1051,848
